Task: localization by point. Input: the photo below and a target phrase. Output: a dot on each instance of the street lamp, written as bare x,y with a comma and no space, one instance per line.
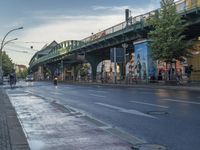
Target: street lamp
9,41
1,71
3,43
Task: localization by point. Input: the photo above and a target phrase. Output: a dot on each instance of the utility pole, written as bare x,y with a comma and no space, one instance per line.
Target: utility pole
125,46
62,70
115,66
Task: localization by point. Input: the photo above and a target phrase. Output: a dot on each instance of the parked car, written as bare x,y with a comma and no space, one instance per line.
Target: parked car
29,78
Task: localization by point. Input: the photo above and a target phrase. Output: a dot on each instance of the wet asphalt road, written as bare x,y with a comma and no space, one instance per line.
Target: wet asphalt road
158,116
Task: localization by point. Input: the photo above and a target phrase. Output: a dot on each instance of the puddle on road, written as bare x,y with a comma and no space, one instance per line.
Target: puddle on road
20,94
36,145
43,124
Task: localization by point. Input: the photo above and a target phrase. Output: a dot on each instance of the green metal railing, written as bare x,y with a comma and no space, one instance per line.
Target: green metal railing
60,50
119,27
182,7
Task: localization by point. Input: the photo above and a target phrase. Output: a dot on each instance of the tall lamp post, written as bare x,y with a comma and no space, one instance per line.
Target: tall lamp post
3,43
125,46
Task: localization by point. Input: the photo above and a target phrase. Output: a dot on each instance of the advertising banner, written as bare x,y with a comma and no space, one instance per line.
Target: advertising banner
144,65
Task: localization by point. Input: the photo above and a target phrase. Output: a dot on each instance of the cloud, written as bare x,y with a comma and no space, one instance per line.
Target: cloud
109,8
120,9
66,27
61,28
69,27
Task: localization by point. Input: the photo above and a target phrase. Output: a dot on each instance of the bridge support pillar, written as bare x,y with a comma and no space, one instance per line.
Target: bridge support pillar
52,68
122,70
75,72
94,61
40,73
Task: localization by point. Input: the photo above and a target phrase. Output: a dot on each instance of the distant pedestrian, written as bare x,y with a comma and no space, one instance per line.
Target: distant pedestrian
12,79
171,73
55,81
189,72
179,76
159,75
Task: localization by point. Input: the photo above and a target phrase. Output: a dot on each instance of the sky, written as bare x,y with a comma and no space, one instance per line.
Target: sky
60,20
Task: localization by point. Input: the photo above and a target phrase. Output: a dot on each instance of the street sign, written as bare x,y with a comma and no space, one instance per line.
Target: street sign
119,55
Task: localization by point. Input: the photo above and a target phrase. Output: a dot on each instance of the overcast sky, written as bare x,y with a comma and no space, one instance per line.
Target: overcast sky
60,20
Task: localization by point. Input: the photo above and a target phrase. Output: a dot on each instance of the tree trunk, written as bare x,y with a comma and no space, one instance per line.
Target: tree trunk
171,71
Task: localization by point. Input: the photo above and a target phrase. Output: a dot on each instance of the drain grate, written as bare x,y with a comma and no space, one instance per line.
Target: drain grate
157,113
148,147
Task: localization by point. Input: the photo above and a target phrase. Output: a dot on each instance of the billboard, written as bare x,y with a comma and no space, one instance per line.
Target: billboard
144,65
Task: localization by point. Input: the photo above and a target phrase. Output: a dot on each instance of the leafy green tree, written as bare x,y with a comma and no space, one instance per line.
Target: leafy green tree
19,74
22,74
168,39
7,64
84,70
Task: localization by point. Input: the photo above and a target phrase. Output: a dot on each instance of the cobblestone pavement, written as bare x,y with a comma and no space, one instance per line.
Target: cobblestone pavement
11,134
4,134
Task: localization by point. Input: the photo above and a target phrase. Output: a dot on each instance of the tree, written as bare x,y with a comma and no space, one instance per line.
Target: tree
168,39
84,70
22,74
7,64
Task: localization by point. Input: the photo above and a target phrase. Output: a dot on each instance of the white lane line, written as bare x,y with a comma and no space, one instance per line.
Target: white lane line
149,104
57,93
97,91
129,111
143,92
19,94
102,96
181,101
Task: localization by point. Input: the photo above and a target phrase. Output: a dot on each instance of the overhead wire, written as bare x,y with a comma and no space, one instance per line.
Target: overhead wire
33,41
18,51
20,48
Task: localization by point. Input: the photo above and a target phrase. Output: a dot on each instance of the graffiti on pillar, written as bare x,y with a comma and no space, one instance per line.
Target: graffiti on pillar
141,63
145,66
130,68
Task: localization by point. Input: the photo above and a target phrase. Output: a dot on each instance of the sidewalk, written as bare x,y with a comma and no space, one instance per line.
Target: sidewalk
50,124
12,136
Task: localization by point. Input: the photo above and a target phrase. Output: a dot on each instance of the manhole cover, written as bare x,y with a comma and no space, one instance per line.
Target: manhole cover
149,147
157,113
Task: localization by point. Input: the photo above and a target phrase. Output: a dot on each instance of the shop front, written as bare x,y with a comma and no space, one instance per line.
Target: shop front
195,62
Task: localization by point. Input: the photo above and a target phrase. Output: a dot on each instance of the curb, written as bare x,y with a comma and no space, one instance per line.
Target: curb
17,138
167,87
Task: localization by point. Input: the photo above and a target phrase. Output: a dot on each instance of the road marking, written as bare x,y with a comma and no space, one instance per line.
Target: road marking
98,95
143,92
97,91
19,94
98,86
58,93
129,111
181,101
149,104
